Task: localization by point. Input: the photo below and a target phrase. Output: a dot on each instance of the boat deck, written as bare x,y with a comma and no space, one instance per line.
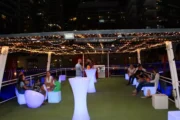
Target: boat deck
112,101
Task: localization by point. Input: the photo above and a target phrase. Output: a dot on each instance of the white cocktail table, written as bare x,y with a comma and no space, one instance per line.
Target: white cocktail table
79,87
91,74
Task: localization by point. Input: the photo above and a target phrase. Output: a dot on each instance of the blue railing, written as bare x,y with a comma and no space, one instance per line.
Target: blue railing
8,86
7,91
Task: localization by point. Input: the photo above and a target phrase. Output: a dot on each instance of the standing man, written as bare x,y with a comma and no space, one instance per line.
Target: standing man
79,68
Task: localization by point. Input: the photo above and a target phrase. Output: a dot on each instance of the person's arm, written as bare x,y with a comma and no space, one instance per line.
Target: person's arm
156,78
135,70
81,68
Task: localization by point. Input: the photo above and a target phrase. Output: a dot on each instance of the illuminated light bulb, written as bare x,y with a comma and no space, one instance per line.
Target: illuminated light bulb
15,73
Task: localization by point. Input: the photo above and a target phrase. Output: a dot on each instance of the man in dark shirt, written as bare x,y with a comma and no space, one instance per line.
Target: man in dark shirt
140,71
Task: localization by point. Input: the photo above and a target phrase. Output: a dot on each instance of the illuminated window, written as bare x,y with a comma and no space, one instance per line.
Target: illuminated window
3,16
159,0
100,17
74,18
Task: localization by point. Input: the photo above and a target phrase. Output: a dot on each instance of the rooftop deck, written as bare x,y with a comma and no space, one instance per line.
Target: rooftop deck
112,101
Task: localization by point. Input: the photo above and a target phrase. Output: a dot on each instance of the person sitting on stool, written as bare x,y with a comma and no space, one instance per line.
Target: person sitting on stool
147,83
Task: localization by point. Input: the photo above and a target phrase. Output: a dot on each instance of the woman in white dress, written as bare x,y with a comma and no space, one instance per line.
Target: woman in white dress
48,81
48,85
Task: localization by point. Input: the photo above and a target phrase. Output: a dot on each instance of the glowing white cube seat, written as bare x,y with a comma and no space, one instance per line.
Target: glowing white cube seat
135,81
62,78
20,97
174,115
152,90
160,101
126,76
54,97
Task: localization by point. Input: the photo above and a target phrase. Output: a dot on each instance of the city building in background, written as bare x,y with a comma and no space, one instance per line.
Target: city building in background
14,16
47,15
98,14
19,16
153,14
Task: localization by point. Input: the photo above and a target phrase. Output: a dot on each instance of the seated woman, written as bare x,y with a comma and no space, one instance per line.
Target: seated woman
48,85
148,83
88,64
38,87
57,85
22,84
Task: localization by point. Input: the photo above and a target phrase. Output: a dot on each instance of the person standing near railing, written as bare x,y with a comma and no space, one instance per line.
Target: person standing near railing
79,69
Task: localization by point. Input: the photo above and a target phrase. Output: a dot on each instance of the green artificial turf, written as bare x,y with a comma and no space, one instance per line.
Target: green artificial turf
112,101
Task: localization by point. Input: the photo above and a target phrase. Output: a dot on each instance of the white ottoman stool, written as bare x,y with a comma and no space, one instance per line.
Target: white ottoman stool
135,81
20,97
152,90
126,76
160,101
174,115
54,97
62,78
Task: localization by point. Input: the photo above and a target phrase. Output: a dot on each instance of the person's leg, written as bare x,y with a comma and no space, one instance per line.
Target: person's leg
130,77
44,90
139,87
148,84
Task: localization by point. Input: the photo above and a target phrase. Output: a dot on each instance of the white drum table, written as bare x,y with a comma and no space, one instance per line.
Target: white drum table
91,74
79,87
